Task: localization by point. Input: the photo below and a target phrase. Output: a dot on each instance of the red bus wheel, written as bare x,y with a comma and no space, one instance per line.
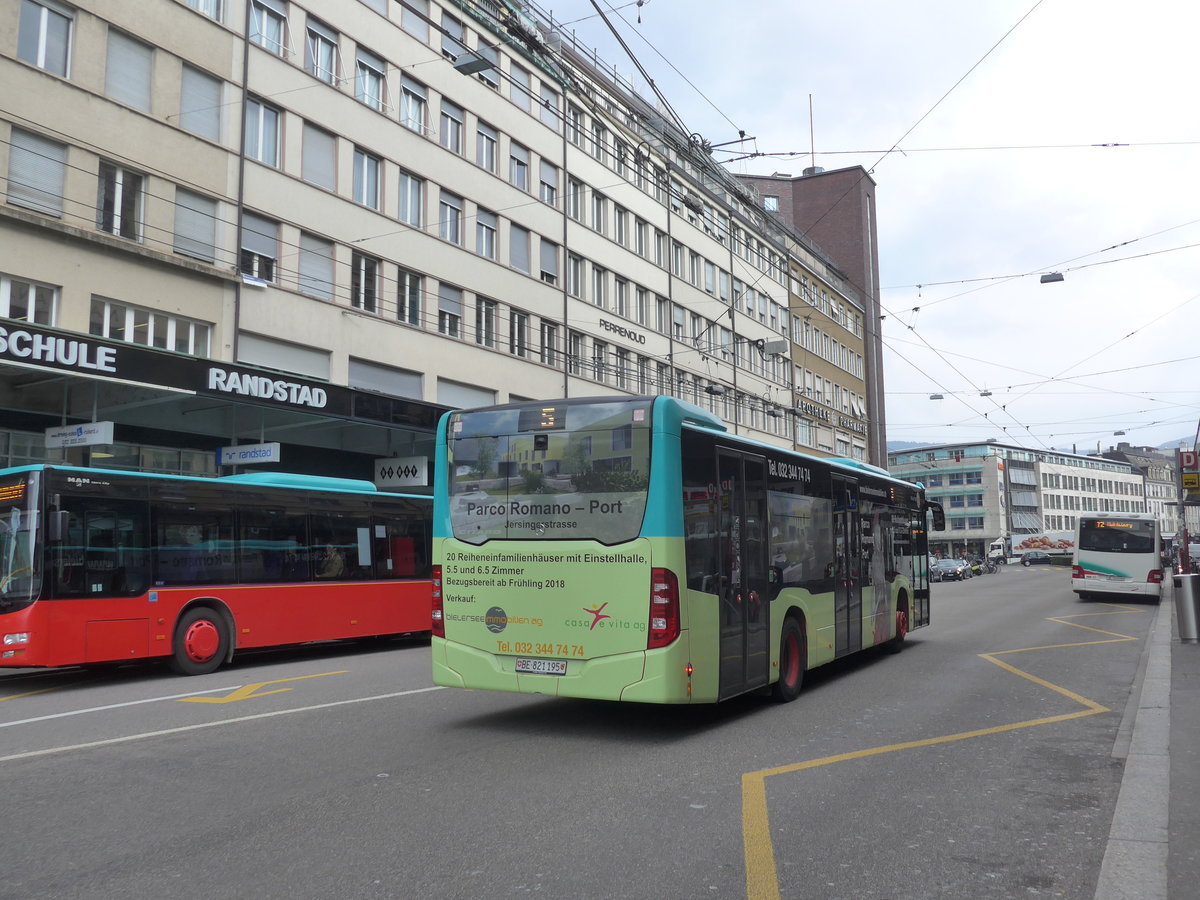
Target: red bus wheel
792,656
201,642
901,630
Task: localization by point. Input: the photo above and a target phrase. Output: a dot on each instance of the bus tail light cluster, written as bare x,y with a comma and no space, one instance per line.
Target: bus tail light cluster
1155,576
439,621
1076,571
664,608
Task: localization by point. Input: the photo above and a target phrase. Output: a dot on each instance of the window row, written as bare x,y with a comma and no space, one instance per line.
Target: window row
964,523
285,30
814,386
593,135
121,321
30,301
45,35
1091,485
968,476
37,169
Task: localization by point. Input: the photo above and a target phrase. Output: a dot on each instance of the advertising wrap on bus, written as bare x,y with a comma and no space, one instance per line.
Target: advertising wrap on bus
524,485
548,602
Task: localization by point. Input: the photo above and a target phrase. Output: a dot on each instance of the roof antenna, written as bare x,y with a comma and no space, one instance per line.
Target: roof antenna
813,169
812,141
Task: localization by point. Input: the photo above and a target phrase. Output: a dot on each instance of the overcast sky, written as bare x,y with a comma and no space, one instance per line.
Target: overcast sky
996,107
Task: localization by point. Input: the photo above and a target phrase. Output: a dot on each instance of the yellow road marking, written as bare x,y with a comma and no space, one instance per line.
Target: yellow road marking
248,691
762,878
31,693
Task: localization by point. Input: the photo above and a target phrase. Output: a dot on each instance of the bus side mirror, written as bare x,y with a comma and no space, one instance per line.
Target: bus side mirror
56,527
939,515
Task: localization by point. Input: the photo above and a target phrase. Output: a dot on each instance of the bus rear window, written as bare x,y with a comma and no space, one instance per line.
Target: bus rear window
1121,536
550,471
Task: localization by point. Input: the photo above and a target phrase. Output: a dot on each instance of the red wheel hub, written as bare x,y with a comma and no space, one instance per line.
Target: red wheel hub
201,640
901,623
791,660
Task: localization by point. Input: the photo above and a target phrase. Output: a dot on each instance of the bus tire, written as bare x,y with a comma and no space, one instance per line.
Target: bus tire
793,655
201,642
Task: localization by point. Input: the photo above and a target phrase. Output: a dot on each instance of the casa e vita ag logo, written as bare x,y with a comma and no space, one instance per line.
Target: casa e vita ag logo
595,618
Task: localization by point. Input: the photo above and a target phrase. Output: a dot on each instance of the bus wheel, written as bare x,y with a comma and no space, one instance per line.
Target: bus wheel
792,652
201,642
896,643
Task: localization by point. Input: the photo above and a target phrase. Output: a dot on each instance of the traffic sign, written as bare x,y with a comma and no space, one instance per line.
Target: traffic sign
1188,460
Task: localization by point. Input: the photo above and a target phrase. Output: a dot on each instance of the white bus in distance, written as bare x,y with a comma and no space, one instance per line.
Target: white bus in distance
1119,553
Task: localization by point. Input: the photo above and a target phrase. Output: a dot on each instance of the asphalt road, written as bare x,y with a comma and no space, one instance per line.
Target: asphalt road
976,763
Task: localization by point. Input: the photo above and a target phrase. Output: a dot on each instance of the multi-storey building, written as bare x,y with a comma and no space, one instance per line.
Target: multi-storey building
836,209
320,223
994,490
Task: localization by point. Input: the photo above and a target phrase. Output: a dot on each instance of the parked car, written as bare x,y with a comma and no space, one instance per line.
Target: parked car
953,570
1035,558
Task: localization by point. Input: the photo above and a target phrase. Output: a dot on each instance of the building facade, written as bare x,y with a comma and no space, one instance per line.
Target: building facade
836,209
1031,499
1161,478
397,207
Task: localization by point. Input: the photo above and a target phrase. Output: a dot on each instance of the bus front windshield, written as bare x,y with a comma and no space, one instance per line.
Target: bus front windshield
1116,536
20,552
546,471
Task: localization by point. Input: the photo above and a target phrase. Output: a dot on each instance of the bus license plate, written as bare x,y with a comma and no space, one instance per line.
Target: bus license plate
542,666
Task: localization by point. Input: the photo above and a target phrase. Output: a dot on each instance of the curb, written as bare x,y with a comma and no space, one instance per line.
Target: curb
1135,858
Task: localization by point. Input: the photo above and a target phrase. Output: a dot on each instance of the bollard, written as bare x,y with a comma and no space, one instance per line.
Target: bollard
1187,606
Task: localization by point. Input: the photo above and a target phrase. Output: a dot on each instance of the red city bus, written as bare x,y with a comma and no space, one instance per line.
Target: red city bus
101,566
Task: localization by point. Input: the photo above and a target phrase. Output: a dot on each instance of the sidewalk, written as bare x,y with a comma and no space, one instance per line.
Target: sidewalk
1153,850
1183,860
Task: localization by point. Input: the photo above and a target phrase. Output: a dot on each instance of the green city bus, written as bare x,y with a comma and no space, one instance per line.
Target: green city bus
632,548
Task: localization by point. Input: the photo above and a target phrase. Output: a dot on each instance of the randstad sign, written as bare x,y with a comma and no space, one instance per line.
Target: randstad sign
248,454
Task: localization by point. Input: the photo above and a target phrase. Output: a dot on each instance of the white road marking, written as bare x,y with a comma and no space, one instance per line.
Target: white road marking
185,728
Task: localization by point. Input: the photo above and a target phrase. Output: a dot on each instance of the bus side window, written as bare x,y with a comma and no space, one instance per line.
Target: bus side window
401,543
341,546
193,546
103,550
68,560
272,545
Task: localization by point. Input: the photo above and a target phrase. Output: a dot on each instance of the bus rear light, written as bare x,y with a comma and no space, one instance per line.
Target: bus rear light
17,637
439,622
1155,576
1076,571
664,608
